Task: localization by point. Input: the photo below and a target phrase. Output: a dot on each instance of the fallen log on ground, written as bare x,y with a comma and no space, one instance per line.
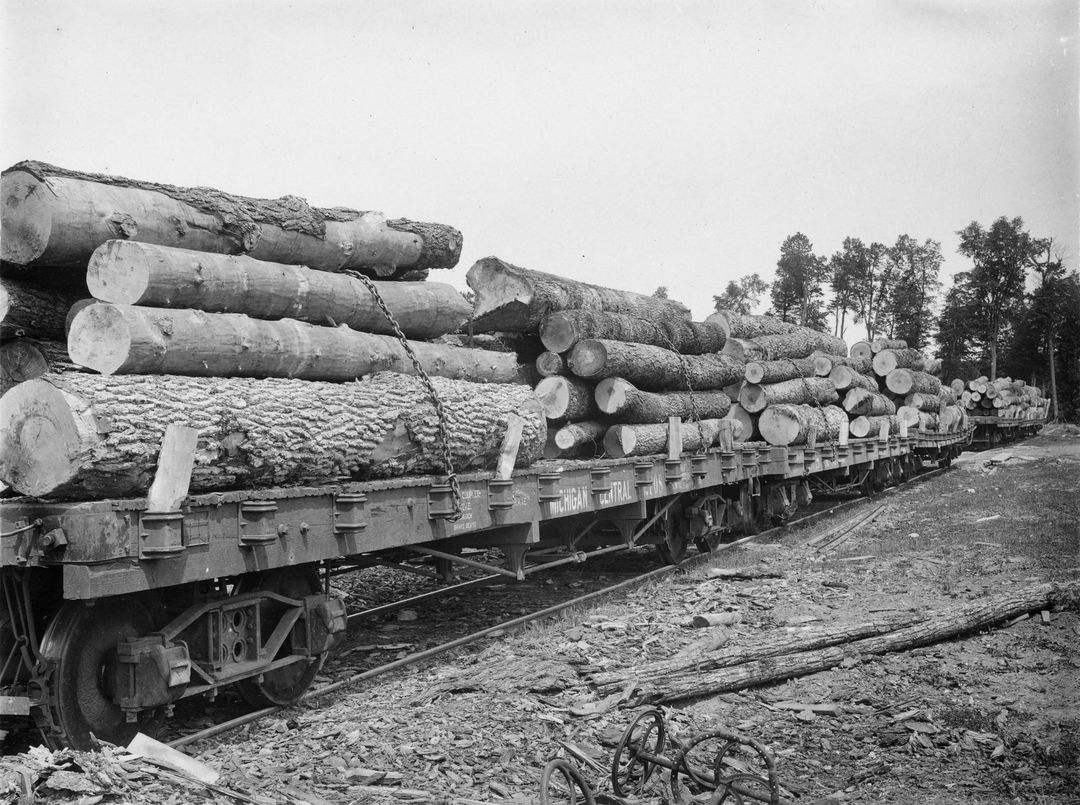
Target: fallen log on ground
745,325
778,371
98,436
784,425
560,331
33,311
130,273
619,399
938,626
518,299
57,217
565,398
805,390
646,440
652,368
122,339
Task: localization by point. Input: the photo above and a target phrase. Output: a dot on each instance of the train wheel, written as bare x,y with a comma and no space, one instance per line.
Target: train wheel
868,485
287,684
79,649
673,544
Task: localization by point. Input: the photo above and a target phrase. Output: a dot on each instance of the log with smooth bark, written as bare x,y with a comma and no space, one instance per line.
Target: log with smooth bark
794,424
33,311
652,368
57,217
745,325
551,364
862,426
566,398
518,299
578,434
844,377
863,402
560,331
777,371
881,343
931,403
96,436
646,440
130,273
906,381
621,400
943,625
805,390
889,359
122,339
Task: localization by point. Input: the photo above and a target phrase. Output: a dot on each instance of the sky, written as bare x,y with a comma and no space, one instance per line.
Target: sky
629,144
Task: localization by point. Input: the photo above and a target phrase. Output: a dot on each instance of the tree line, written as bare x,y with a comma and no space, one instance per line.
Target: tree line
989,323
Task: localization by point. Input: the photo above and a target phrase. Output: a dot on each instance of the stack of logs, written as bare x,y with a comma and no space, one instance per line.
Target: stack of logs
1004,397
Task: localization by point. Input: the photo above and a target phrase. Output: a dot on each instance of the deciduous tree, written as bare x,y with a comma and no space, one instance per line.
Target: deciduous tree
796,292
741,295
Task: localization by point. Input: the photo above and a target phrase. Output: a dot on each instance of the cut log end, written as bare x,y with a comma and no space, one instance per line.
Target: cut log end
26,222
99,338
588,358
39,438
779,426
620,441
550,364
558,333
861,350
115,274
754,372
611,394
752,398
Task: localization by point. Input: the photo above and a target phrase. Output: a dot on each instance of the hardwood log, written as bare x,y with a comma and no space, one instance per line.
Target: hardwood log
861,350
905,381
932,403
958,385
577,434
56,217
746,422
744,325
923,420
889,359
863,402
33,311
881,343
560,331
551,364
743,349
778,371
130,273
813,390
21,359
825,364
652,368
646,440
793,424
565,398
800,344
97,436
862,426
121,339
518,299
618,398
844,377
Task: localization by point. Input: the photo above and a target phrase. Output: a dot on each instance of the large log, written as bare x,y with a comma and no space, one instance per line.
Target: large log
21,359
778,371
794,424
863,402
813,390
744,349
646,440
518,299
746,422
131,273
932,403
923,420
861,350
744,325
560,331
844,377
121,339
881,343
618,398
652,368
565,398
574,435
824,363
863,426
551,364
799,343
56,217
33,311
98,436
905,381
889,359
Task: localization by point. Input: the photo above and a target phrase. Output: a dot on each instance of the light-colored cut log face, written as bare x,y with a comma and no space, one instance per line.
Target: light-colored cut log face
610,394
558,333
588,358
39,438
99,338
25,218
782,429
113,277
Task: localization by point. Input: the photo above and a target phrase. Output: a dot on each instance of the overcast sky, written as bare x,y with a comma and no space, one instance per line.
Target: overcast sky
630,144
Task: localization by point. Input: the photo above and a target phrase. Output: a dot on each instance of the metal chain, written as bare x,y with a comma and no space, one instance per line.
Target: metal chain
440,411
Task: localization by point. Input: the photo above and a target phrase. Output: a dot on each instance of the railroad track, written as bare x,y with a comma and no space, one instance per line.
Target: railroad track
517,622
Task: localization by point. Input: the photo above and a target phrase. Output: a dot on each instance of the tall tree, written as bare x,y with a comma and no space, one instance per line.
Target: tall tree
847,272
957,350
864,266
1049,306
796,292
914,272
741,295
1001,255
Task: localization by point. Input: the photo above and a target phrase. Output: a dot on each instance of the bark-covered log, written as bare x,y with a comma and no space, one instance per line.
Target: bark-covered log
799,344
778,371
881,343
806,390
905,381
652,368
889,359
518,299
560,331
825,363
21,359
743,349
33,311
121,339
863,402
958,385
577,434
931,403
947,395
551,364
915,418
862,426
844,377
56,217
99,436
618,398
646,440
793,424
861,350
566,398
130,273
744,325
